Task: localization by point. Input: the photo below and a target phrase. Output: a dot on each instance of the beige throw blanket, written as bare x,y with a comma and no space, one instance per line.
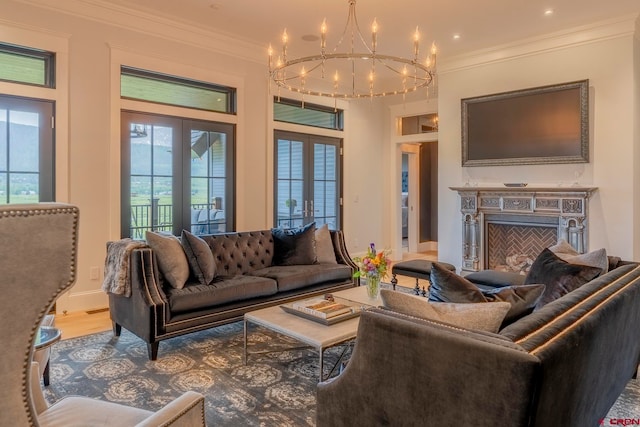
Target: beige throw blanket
117,268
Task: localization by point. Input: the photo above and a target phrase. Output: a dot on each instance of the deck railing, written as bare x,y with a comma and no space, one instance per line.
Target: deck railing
156,217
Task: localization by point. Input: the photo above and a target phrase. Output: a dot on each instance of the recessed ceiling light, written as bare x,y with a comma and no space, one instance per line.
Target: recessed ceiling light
310,38
548,12
456,36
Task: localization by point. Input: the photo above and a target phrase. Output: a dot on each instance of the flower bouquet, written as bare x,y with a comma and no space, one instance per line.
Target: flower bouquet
373,267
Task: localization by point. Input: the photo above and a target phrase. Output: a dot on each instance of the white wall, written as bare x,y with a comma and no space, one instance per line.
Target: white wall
604,55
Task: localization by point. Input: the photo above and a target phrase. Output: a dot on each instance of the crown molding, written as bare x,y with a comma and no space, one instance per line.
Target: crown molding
18,26
156,26
624,26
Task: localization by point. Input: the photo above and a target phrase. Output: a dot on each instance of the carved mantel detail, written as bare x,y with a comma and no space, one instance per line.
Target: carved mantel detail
566,205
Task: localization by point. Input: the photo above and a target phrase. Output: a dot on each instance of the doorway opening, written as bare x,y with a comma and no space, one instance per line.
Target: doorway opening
419,198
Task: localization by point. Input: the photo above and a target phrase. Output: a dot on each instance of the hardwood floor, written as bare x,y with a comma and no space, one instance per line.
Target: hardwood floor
84,323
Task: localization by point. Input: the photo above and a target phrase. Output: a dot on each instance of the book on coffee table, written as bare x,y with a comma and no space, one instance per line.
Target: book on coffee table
321,307
322,310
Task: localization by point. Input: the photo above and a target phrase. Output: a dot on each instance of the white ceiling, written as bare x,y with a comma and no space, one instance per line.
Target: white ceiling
480,23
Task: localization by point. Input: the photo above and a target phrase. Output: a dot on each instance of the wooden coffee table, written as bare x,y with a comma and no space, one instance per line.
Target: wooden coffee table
314,334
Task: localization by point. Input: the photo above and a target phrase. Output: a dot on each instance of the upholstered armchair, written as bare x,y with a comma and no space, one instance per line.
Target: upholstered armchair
38,255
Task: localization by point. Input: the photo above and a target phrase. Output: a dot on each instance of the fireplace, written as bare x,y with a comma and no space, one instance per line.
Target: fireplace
513,245
506,228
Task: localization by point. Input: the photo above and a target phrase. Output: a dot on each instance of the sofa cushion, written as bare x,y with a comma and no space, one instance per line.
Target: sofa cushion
446,286
298,276
597,258
172,260
294,246
196,296
199,257
324,246
559,276
479,316
495,278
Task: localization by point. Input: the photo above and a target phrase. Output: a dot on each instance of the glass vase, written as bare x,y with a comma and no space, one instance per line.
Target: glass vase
373,286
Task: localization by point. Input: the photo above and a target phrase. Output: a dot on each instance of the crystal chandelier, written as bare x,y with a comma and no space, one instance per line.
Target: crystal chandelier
357,70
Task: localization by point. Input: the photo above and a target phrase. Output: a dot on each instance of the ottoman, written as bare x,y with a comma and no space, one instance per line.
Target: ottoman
417,268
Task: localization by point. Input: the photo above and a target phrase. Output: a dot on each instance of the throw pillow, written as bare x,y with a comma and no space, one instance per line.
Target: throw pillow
597,258
172,261
483,316
294,246
559,276
447,286
199,256
523,299
324,246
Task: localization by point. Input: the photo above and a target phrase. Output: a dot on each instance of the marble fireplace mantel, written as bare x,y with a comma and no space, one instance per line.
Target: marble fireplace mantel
565,206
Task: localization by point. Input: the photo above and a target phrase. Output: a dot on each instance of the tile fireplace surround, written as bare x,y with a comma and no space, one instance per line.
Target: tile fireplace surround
564,210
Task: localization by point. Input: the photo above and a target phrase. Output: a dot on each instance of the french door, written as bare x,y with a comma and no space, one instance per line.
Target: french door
26,150
308,173
177,174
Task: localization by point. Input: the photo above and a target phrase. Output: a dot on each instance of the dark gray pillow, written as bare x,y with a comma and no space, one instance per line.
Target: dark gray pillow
294,246
199,256
559,276
447,286
172,260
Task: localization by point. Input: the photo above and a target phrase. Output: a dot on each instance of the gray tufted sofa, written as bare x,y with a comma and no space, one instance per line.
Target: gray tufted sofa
247,280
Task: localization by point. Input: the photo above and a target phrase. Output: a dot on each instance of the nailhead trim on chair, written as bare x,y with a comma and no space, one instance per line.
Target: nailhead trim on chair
55,209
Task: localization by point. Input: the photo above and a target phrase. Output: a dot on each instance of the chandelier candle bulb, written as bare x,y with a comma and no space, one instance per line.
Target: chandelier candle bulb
285,39
323,35
416,41
374,35
434,50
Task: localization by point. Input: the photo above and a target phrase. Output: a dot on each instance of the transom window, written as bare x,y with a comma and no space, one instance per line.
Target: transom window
25,65
290,111
171,90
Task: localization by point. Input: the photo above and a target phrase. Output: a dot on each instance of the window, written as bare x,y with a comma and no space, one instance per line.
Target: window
308,188
27,66
177,174
289,111
26,150
423,123
164,89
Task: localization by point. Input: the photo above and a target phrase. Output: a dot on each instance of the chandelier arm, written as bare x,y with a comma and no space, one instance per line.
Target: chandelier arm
355,21
417,65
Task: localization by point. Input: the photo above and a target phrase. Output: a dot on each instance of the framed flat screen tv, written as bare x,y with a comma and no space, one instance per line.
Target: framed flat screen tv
541,125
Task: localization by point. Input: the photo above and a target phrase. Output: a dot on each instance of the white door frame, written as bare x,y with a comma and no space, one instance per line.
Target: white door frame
413,152
397,146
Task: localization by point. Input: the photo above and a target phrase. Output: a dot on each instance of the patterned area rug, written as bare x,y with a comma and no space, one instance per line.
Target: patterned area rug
273,389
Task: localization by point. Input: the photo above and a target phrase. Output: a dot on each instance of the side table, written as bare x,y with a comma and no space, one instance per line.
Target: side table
45,338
